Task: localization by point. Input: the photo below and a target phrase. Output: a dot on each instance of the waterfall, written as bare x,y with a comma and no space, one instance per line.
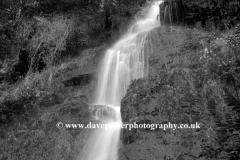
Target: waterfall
123,62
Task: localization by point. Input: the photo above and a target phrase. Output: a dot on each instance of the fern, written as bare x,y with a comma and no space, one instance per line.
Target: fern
233,120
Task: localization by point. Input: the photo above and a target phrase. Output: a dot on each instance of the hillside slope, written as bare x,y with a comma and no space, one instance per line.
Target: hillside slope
30,131
193,77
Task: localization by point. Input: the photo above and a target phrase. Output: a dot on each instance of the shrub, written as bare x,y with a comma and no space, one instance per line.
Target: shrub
49,39
44,39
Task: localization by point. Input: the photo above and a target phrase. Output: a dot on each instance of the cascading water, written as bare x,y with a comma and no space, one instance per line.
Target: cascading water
122,63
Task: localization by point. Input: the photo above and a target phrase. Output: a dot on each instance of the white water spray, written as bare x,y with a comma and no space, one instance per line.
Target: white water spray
125,61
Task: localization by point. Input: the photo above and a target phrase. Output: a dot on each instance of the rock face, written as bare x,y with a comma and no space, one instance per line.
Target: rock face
79,80
172,12
168,94
208,13
166,48
162,99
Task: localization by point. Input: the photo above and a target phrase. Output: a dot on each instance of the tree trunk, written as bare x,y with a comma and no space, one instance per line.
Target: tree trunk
108,22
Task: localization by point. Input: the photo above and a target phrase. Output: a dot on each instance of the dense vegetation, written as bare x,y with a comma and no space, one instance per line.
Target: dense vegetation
41,30
212,14
36,36
198,83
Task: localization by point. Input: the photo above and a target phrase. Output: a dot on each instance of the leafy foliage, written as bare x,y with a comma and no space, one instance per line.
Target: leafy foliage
49,40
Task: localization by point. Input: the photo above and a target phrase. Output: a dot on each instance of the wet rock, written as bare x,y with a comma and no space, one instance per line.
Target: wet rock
154,99
161,47
195,13
172,12
79,80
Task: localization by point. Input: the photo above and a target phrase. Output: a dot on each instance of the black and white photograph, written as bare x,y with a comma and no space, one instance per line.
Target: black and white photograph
119,79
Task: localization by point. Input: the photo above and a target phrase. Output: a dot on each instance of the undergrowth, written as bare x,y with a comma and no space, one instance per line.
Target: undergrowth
206,90
39,86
